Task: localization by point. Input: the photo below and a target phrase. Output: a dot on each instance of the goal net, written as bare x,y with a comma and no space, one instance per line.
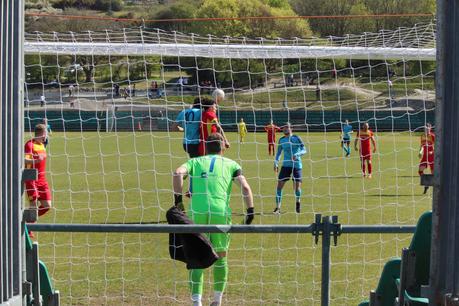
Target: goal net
111,98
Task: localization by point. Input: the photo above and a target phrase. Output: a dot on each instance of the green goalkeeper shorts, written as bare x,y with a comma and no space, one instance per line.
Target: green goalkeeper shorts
220,241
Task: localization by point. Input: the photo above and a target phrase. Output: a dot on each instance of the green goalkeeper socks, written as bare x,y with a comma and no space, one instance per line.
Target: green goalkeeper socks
196,281
220,277
220,274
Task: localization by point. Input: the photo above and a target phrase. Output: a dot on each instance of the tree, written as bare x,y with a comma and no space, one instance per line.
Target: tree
330,26
251,28
180,10
341,27
361,25
399,7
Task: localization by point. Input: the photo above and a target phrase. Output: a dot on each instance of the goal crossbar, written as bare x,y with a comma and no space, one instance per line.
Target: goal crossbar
234,51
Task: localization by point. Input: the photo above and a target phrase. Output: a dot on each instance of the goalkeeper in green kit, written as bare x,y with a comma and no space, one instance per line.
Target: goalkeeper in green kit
212,177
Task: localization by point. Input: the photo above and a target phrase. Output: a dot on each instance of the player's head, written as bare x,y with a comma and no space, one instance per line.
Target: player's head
365,126
347,122
218,95
45,120
242,120
271,122
197,103
287,128
40,132
207,103
215,144
428,127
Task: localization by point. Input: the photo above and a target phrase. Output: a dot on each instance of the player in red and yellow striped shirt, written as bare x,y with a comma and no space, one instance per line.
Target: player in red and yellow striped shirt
365,138
426,152
209,125
35,158
271,129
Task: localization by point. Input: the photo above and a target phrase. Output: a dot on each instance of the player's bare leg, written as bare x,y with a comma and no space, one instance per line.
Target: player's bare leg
370,168
45,205
362,165
280,186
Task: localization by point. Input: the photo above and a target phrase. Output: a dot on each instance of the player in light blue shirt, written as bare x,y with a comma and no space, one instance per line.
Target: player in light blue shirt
293,149
346,137
188,121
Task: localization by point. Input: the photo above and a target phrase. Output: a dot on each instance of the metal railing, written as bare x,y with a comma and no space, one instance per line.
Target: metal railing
325,227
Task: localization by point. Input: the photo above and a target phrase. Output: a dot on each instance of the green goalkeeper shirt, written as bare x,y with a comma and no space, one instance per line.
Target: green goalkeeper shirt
211,181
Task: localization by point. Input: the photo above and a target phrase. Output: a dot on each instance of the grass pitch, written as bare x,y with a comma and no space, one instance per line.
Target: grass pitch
126,178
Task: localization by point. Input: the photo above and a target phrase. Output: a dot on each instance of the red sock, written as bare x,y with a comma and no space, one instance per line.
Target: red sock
42,210
369,168
363,167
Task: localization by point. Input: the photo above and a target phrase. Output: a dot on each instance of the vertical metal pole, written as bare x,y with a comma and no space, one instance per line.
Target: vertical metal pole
325,294
11,116
444,266
3,295
17,128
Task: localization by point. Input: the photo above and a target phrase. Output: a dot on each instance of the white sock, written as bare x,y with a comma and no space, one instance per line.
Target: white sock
218,297
196,298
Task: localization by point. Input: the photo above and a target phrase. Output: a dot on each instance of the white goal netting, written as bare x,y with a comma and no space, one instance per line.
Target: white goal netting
111,98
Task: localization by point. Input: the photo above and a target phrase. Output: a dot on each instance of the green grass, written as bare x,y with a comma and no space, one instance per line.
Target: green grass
126,177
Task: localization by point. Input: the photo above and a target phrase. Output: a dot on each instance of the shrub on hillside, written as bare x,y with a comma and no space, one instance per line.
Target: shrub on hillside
101,5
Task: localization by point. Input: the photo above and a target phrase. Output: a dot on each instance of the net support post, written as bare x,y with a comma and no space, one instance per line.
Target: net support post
325,291
327,227
444,266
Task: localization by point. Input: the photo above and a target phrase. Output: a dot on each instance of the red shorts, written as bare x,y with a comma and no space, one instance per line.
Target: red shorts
427,160
365,156
38,190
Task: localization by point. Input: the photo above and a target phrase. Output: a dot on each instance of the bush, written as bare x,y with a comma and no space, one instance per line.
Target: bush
101,5
104,5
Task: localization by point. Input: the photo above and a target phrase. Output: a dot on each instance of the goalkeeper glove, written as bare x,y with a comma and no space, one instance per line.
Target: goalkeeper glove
249,217
178,202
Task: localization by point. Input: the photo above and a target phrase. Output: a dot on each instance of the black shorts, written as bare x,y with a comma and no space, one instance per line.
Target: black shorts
192,149
346,141
286,173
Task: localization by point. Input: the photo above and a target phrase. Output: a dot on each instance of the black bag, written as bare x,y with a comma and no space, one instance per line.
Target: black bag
193,249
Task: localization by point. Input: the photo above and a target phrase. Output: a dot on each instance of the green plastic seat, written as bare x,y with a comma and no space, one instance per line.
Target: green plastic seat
389,282
386,291
28,240
49,295
420,244
46,287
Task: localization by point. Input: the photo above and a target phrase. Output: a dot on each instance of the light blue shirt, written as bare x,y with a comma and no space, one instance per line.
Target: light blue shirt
347,130
292,146
190,119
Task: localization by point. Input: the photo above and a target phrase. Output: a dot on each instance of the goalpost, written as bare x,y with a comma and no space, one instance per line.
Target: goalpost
134,83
